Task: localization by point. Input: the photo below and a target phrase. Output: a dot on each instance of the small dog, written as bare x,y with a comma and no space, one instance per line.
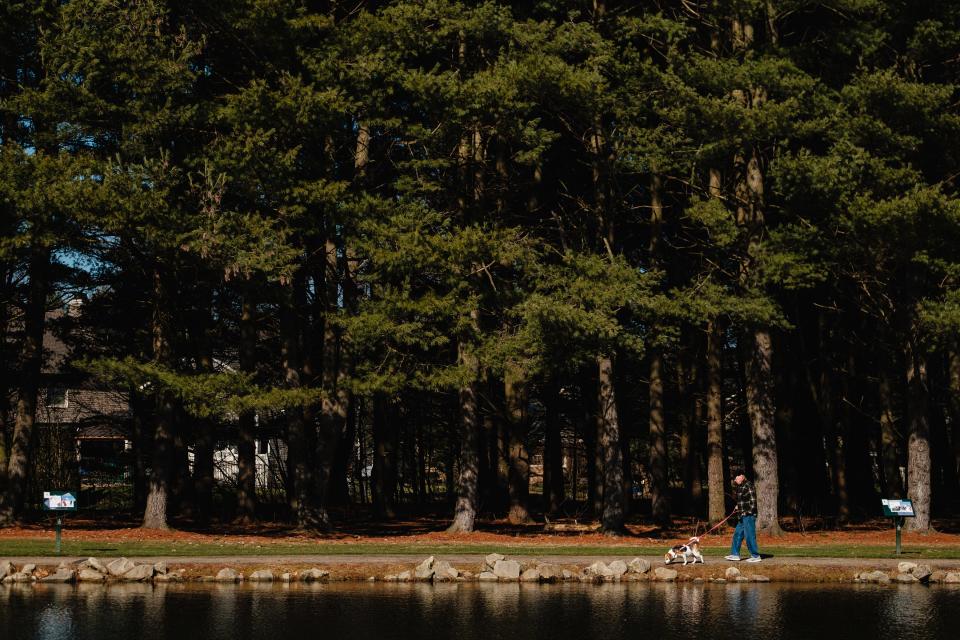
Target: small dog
685,551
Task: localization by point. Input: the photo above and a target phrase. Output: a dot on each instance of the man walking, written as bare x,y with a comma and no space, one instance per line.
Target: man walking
746,511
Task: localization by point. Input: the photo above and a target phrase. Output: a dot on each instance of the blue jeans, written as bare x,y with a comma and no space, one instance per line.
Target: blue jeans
746,528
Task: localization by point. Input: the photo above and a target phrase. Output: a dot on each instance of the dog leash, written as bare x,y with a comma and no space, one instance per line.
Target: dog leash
716,526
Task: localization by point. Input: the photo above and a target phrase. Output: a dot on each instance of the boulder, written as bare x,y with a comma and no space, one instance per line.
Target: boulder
507,569
731,573
28,568
173,577
487,576
618,568
228,575
639,565
491,560
424,570
599,569
549,572
119,567
89,574
139,573
875,576
530,575
405,576
758,578
922,572
93,563
62,576
566,574
664,575
906,567
741,579
313,575
18,577
160,568
443,571
264,575
937,576
952,577
718,580
905,578
6,569
285,577
390,578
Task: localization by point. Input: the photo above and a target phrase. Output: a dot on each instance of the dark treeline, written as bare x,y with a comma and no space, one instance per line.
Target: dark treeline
455,243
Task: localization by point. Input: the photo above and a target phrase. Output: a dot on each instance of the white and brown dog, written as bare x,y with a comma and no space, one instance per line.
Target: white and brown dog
689,550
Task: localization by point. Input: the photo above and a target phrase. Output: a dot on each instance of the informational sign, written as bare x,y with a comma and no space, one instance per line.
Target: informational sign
901,508
59,501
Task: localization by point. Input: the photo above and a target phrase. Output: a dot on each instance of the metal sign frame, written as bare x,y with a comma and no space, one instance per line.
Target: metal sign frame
899,510
59,502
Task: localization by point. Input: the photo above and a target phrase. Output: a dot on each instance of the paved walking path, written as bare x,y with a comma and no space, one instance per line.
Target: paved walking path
327,560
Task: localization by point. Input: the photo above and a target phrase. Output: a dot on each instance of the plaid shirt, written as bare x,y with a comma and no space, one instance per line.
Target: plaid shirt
746,498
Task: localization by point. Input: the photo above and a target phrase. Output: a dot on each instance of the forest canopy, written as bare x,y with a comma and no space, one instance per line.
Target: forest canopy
515,258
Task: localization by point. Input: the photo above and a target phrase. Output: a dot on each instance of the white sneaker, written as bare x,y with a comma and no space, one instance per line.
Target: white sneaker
732,558
754,559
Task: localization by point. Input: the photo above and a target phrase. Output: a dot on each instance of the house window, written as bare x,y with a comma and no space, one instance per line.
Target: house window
262,446
58,398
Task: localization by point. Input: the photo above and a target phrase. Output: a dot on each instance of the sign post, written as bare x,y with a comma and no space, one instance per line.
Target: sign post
59,501
899,510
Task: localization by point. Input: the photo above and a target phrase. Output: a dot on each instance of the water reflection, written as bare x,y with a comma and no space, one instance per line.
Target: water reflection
477,611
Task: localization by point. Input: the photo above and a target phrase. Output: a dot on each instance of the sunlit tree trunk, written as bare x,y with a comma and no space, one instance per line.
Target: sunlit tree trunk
716,505
918,440
468,489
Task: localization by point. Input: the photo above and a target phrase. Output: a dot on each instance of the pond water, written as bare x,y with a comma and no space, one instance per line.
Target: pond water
478,611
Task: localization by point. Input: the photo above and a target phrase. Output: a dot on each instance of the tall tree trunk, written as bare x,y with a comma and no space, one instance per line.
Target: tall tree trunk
918,442
468,491
762,424
953,364
612,518
751,215
158,486
552,449
659,488
515,394
856,439
659,458
6,378
247,422
301,433
384,479
205,439
716,506
686,414
158,495
19,463
340,483
334,406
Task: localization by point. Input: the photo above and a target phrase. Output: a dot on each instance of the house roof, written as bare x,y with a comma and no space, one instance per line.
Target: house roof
101,431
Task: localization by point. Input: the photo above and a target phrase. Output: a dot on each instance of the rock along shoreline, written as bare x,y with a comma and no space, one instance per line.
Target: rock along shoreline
494,568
